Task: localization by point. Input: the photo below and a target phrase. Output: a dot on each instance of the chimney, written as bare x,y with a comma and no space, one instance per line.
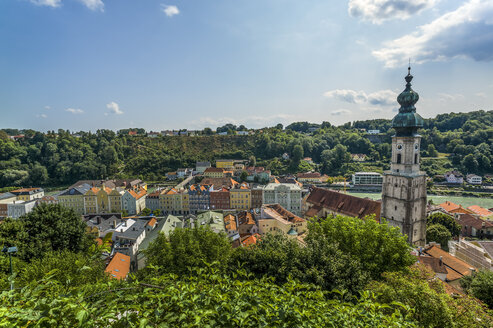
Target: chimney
441,260
114,224
98,219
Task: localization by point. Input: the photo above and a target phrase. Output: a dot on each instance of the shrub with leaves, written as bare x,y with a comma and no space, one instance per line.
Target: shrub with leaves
205,299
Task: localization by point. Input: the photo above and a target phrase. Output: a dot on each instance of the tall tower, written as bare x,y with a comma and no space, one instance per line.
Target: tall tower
404,186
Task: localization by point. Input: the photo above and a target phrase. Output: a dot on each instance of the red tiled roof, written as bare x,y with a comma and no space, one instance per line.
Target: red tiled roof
458,268
343,203
152,222
473,221
214,169
137,195
433,263
245,218
230,222
119,266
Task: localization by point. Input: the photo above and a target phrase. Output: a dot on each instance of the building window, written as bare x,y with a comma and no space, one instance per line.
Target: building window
415,158
398,158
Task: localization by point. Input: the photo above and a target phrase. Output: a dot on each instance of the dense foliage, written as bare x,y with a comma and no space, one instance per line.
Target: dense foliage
439,234
62,158
47,228
432,306
205,299
445,220
480,285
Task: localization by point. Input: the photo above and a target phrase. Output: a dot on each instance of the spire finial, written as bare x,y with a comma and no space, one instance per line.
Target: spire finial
409,67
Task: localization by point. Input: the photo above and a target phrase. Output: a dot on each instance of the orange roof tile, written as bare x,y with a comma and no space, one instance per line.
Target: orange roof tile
449,206
230,222
251,240
119,266
481,211
458,268
152,222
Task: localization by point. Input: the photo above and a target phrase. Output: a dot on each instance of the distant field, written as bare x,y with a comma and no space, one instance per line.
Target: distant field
464,201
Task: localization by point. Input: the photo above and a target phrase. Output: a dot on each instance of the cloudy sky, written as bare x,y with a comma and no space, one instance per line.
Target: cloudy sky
89,64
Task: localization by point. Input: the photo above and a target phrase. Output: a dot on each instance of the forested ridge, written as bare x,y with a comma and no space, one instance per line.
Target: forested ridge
56,159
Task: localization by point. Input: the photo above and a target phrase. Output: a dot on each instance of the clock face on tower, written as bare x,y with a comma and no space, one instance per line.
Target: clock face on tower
399,147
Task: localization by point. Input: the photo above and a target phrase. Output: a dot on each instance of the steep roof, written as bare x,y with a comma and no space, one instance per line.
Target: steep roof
250,240
218,183
341,203
458,268
138,194
214,170
119,266
245,218
434,263
473,221
279,212
26,191
449,206
230,222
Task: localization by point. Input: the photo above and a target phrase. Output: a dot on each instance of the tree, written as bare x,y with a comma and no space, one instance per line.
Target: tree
446,221
146,212
47,228
38,175
470,163
438,233
480,285
186,249
124,213
157,212
432,152
243,175
252,160
377,246
207,131
320,263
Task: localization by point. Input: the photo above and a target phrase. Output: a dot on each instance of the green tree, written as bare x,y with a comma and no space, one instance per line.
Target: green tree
445,220
432,152
157,212
480,285
146,212
252,161
297,154
185,249
38,175
470,163
377,246
207,131
438,233
124,213
47,228
243,175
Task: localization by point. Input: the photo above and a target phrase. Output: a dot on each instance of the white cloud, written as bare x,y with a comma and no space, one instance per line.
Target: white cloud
94,5
170,11
47,107
114,108
466,32
381,98
42,116
481,94
49,3
74,110
378,11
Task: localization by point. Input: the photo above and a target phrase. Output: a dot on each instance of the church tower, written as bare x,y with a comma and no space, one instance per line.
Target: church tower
404,186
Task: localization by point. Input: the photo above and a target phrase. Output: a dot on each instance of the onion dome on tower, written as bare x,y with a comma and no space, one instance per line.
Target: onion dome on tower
407,122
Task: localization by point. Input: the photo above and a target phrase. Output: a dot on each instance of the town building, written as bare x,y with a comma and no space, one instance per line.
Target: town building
454,177
119,266
453,208
473,226
367,179
474,253
481,211
27,194
275,219
323,202
129,237
47,200
199,197
102,200
240,197
175,201
112,184
133,201
74,198
246,224
474,179
152,200
309,177
227,164
219,199
102,224
218,183
404,185
20,207
258,174
200,167
214,172
456,268
288,195
257,196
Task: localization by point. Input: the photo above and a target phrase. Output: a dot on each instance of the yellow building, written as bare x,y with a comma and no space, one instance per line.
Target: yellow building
228,164
74,198
240,198
27,194
102,200
175,201
275,219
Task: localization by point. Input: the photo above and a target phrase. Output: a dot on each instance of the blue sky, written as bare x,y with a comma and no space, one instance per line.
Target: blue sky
90,64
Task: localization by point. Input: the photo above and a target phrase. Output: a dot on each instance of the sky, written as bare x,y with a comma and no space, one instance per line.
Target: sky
171,64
